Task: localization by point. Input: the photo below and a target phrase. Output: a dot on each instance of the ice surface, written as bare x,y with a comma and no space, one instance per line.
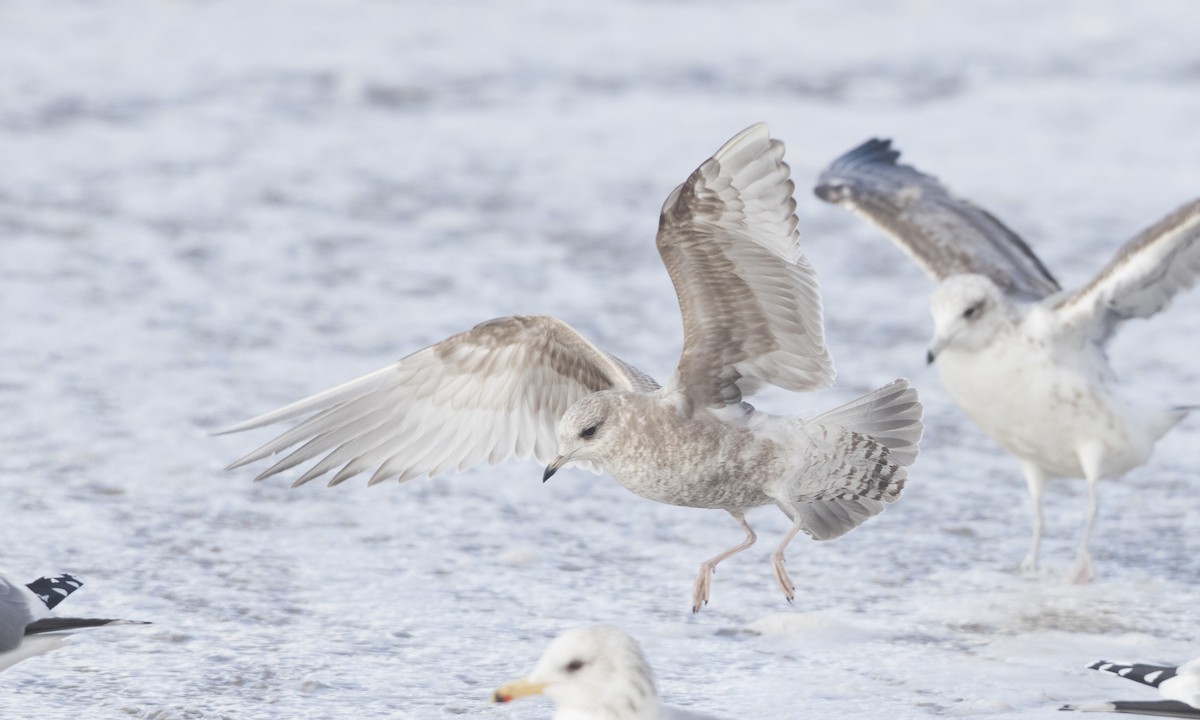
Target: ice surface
209,209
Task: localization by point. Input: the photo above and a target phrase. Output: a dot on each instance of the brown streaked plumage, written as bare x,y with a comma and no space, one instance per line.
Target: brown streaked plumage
521,385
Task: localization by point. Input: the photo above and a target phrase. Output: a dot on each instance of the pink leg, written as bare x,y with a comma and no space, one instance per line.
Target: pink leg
781,576
708,567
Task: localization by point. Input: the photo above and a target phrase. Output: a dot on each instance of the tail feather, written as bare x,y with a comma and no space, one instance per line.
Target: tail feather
891,415
876,437
829,519
1163,421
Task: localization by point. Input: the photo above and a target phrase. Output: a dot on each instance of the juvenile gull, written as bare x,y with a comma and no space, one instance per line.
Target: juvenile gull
1179,687
595,673
1024,359
26,628
751,316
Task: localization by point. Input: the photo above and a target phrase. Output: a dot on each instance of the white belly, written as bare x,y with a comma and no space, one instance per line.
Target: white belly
1042,412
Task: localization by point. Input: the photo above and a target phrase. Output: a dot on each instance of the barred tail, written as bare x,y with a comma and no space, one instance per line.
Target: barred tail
891,415
879,436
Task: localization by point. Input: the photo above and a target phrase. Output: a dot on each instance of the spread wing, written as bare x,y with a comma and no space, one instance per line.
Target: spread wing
15,614
491,392
1141,280
751,309
946,235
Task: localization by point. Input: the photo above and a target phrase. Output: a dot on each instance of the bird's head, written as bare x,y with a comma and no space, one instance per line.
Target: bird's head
968,311
591,670
586,432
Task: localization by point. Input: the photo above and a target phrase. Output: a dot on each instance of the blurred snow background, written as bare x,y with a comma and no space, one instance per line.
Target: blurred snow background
212,208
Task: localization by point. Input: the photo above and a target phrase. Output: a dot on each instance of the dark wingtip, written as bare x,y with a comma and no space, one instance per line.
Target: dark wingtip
828,193
876,151
834,189
550,470
52,590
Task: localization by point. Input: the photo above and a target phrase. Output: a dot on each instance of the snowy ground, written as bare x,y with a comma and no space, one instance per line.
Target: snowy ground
208,209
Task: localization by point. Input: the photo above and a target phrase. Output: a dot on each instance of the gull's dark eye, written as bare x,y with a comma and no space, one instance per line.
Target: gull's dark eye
587,432
575,664
973,310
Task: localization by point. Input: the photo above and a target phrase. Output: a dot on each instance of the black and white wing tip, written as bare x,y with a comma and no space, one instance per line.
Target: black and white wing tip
53,590
1144,673
1180,685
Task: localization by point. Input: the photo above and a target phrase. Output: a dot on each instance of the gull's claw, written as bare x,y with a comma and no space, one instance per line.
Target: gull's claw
781,576
703,585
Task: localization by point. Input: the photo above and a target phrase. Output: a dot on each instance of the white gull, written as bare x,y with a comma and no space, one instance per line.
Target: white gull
751,316
1022,358
595,673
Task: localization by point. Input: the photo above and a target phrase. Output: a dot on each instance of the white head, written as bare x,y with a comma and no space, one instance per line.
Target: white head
968,311
587,431
591,672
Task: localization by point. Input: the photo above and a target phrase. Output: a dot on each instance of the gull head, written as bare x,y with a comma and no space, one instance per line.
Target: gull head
586,432
968,311
591,672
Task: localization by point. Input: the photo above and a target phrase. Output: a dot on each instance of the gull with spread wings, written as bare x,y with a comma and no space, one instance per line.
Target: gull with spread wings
1023,358
533,385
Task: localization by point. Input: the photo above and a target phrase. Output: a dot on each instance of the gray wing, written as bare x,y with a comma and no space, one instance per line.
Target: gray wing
15,614
491,392
750,304
946,235
1142,279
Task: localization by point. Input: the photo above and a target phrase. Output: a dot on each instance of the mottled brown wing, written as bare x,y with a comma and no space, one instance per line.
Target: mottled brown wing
750,304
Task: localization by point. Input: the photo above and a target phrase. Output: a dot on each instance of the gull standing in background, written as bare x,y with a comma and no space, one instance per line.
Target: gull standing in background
751,316
1024,359
26,629
595,673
